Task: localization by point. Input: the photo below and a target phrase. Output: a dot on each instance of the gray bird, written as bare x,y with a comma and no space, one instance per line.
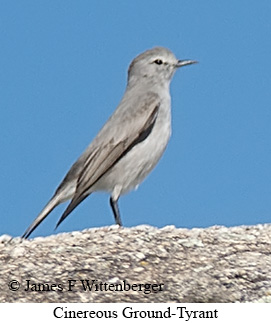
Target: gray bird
130,143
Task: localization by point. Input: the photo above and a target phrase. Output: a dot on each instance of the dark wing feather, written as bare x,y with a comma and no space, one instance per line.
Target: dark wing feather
137,124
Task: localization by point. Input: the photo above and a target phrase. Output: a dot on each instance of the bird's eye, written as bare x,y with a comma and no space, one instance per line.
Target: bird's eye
158,61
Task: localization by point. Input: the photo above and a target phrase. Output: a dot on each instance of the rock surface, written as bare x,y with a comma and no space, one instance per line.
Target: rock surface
215,264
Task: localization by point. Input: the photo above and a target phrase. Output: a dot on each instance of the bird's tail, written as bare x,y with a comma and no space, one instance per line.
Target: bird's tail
55,200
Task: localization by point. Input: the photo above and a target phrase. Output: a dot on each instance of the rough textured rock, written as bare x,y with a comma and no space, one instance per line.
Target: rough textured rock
216,264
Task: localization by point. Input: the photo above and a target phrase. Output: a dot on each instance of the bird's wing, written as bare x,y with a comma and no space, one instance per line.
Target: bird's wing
130,127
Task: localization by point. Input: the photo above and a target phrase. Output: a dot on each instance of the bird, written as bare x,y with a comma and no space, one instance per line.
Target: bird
130,143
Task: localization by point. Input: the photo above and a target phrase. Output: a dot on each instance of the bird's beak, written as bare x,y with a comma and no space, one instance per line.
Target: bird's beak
184,62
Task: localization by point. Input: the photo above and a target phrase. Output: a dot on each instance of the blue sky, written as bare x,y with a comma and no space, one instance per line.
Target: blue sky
63,72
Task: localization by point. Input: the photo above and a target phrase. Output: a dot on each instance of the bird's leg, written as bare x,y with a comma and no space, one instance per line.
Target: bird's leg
114,203
116,212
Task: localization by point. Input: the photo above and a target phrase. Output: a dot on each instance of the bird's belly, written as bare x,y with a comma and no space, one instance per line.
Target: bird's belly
133,167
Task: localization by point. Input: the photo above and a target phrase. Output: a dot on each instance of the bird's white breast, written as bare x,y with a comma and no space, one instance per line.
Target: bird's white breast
132,168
